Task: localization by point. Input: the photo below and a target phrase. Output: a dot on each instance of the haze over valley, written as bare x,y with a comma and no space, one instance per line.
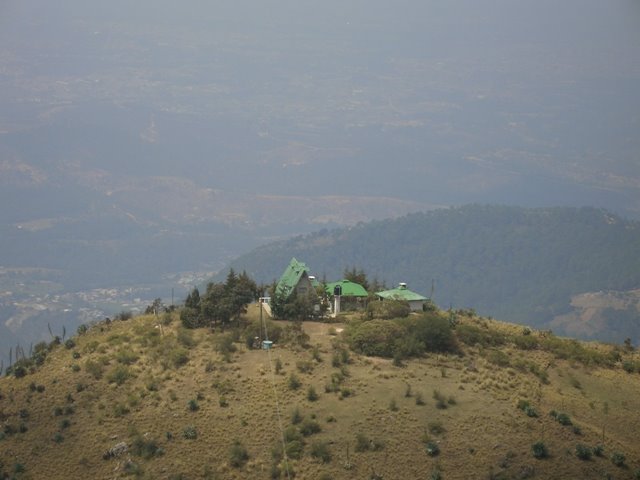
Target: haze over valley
144,146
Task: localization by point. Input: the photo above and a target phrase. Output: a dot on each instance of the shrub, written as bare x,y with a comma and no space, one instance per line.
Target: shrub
374,338
387,309
57,437
69,344
294,382
185,337
618,459
193,405
526,342
190,432
309,427
320,450
82,329
473,335
539,450
178,356
563,419
126,356
278,365
146,449
120,410
436,428
393,406
119,375
296,416
583,452
238,454
440,400
362,443
225,346
304,366
312,396
498,357
294,449
429,330
432,448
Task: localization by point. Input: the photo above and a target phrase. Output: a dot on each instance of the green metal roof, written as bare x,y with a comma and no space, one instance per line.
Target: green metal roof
349,289
402,293
291,276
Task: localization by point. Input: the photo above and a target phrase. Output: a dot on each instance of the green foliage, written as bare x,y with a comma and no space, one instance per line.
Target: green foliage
296,416
563,419
178,356
583,452
190,432
472,335
498,357
256,330
432,448
185,338
320,450
401,338
126,356
193,405
618,459
225,346
308,427
119,375
145,448
304,366
238,454
312,395
526,342
387,309
221,303
294,382
478,254
539,450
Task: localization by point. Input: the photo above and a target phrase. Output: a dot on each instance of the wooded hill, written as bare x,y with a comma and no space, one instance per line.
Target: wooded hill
519,264
146,398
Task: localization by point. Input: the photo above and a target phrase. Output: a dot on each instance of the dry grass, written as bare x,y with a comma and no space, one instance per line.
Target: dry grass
483,432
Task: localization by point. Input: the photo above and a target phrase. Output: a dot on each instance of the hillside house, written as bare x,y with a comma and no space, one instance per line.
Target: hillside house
352,295
296,279
401,292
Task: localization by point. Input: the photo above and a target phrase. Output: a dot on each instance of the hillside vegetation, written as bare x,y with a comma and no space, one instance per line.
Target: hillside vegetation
524,265
467,397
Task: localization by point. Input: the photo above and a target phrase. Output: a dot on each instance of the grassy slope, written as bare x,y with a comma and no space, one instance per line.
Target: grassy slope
485,432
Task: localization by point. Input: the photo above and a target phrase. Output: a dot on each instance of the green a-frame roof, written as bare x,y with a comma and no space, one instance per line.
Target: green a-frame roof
291,277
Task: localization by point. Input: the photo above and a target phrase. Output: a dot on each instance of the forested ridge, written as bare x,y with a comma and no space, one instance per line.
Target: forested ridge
513,263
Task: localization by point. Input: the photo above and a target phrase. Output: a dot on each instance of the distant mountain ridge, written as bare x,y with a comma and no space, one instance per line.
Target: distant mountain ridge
517,264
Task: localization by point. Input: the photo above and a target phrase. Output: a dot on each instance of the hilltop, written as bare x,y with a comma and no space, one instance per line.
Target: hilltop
545,267
158,401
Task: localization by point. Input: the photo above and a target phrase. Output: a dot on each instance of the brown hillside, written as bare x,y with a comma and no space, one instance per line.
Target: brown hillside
376,419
